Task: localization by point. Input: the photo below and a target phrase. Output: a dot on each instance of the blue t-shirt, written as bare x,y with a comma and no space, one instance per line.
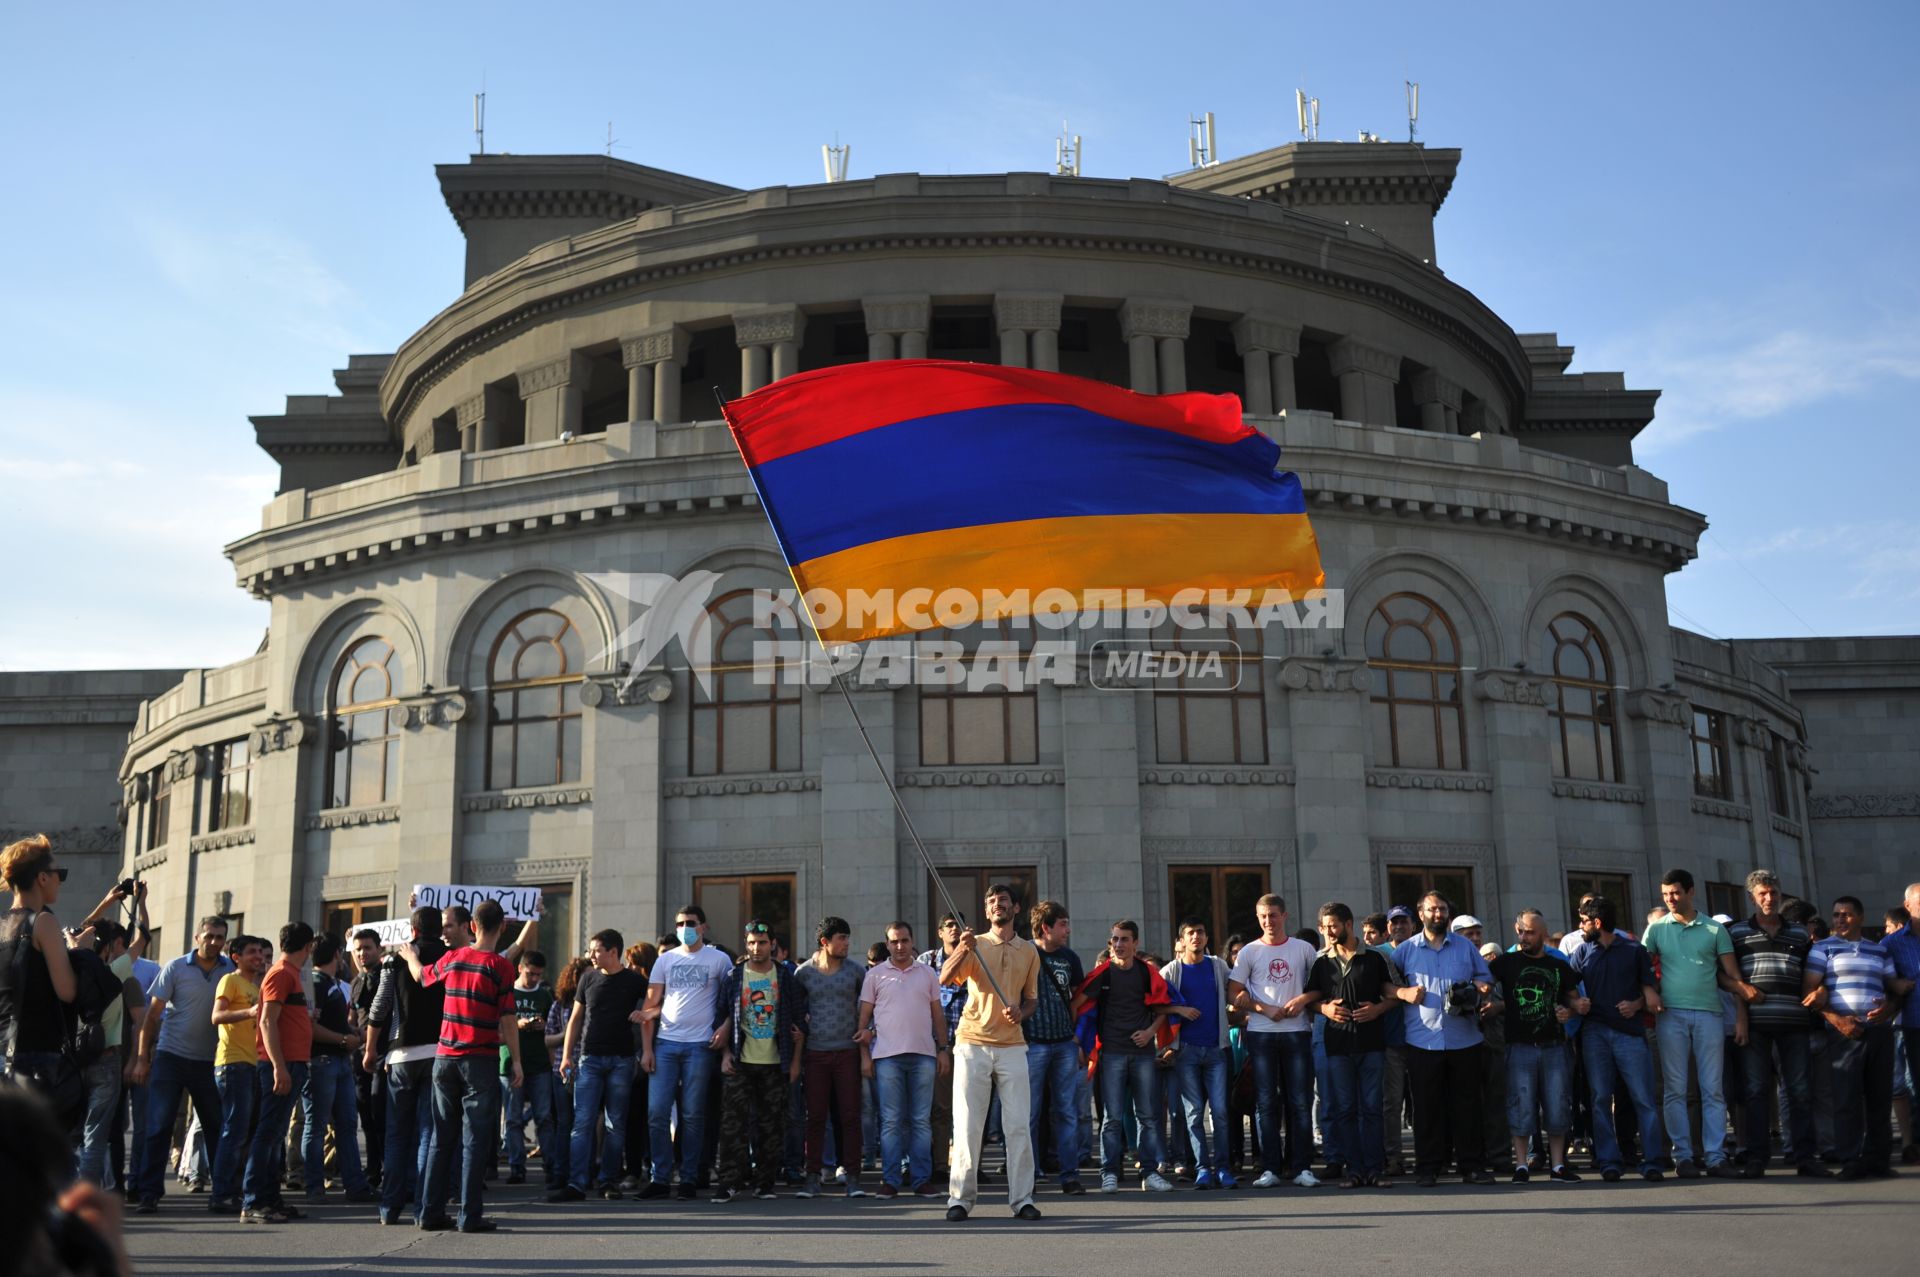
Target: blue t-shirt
1197,990
1903,950
1856,973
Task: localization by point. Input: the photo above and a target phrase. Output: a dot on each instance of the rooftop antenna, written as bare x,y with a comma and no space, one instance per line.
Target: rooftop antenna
1200,144
1413,110
610,138
835,159
1309,112
1066,153
480,121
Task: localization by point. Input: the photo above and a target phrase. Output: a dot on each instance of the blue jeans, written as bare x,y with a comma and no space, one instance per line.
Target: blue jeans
409,1147
682,1071
1203,1085
1053,1087
1332,1144
535,1100
906,1116
135,1137
236,1115
330,1096
267,1155
1538,1079
466,1111
1699,1036
1354,1084
1757,1060
1123,1077
1283,1074
103,1097
170,1075
1612,1056
608,1080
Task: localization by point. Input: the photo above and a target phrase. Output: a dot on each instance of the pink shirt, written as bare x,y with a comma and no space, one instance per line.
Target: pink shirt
902,1023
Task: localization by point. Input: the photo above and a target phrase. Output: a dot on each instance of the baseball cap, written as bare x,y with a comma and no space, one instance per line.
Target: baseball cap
1399,911
1466,921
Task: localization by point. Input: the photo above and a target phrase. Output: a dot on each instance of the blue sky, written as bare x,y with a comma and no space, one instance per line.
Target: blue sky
213,205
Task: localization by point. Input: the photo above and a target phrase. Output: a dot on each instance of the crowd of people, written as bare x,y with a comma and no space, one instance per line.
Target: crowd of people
409,1079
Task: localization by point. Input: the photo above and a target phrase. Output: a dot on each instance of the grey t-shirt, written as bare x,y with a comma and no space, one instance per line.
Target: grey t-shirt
188,1031
833,1004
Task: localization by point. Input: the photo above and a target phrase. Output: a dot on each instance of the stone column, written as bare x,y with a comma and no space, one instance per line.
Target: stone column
1525,836
1367,375
660,353
1439,401
553,392
480,418
1657,733
1267,347
624,881
897,326
1327,705
769,342
285,749
429,830
861,870
1106,872
1155,331
1029,325
1748,743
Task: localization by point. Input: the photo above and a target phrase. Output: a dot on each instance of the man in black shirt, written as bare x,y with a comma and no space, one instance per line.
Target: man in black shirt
329,1095
606,1004
1133,1002
1543,993
1356,986
370,1086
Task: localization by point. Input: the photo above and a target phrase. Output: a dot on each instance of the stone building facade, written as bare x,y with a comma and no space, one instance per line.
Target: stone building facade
1506,713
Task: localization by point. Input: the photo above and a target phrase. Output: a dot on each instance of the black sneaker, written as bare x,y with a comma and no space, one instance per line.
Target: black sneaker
224,1206
1689,1170
1521,1174
722,1196
611,1193
1611,1175
955,1214
1563,1174
1725,1170
1481,1177
1073,1188
566,1193
765,1193
654,1190
1653,1176
1029,1211
517,1177
1754,1170
1852,1171
146,1206
685,1192
1813,1170
1425,1179
481,1225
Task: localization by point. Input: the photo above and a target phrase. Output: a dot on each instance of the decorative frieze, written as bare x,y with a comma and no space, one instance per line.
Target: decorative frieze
353,817
944,777
1781,825
149,861
765,327
563,371
1219,776
718,786
1026,312
1659,707
276,734
1348,355
221,840
1863,806
1327,676
1724,810
620,689
897,315
558,796
1597,791
656,345
1262,332
1151,317
1429,386
433,709
184,766
1406,778
1510,687
77,840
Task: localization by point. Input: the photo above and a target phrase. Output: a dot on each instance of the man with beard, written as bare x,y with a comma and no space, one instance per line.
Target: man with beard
1449,988
991,1053
1543,993
1356,986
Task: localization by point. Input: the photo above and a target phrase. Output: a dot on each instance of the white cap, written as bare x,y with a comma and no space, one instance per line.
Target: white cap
1466,921
1724,919
1489,951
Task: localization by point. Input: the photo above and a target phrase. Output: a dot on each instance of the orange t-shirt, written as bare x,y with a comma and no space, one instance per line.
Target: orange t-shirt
284,985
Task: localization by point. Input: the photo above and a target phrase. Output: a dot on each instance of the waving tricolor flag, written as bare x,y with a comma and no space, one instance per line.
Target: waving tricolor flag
908,474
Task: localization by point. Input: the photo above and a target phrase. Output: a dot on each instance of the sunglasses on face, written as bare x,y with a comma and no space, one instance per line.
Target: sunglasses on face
757,929
60,872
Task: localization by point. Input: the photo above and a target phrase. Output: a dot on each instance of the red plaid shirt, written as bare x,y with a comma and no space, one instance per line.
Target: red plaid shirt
479,995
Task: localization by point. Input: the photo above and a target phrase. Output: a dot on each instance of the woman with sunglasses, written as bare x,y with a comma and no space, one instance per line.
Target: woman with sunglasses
33,983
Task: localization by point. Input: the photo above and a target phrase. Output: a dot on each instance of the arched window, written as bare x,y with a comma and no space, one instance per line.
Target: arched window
533,706
363,710
1415,659
1214,711
985,727
750,719
1580,709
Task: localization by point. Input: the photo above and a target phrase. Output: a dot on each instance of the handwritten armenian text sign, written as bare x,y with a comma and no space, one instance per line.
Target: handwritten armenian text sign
516,902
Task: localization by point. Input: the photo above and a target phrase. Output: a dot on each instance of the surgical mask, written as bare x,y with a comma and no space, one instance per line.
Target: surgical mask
689,935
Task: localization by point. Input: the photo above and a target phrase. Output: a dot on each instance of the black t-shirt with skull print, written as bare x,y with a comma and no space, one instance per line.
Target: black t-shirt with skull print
1534,987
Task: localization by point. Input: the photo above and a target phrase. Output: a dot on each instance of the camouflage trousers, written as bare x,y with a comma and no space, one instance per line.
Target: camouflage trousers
753,1125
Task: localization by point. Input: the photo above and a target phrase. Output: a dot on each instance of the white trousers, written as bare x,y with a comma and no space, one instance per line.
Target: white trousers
977,1072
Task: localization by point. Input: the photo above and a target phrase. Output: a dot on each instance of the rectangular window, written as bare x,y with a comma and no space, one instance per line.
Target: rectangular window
1710,776
1223,897
1728,898
961,728
968,887
232,806
344,915
159,807
1617,888
1779,792
730,900
555,939
1407,883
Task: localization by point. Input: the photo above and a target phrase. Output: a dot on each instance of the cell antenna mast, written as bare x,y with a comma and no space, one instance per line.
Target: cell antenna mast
1413,110
1066,153
1201,150
480,123
610,138
1309,112
835,159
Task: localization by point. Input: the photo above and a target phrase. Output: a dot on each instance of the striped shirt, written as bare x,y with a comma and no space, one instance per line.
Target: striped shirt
479,995
1856,973
1774,964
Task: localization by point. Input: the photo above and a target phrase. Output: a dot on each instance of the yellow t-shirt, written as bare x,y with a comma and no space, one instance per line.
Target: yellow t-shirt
1016,968
236,1040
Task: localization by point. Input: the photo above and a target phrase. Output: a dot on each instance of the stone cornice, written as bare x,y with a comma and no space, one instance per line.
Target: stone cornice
1781,825
564,371
353,817
517,799
959,777
1724,810
724,786
1410,778
1080,216
1864,806
221,840
1598,791
1218,776
77,840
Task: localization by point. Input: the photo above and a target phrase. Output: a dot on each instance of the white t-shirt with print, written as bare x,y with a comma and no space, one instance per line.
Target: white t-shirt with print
689,983
1275,974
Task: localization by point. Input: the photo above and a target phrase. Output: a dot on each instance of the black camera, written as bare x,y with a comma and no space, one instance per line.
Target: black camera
126,886
1462,998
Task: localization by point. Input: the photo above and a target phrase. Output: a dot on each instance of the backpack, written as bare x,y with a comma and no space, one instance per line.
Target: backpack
98,993
59,1079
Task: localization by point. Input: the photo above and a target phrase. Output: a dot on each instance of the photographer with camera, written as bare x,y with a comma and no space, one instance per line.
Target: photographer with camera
1449,988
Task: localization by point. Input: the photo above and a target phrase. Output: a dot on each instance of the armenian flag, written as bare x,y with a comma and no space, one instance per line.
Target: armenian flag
926,474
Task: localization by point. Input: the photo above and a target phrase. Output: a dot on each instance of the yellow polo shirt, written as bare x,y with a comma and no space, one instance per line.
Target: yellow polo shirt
1015,965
